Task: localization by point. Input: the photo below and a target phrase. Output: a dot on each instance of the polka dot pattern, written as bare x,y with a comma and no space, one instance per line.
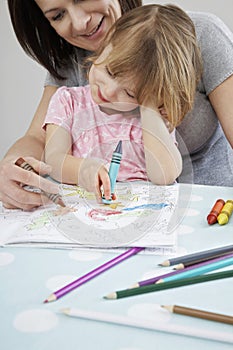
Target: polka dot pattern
28,321
35,321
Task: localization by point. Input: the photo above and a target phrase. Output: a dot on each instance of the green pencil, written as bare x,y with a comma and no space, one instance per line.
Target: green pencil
167,285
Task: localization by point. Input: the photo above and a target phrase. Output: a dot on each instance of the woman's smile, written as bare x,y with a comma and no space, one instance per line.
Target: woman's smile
95,30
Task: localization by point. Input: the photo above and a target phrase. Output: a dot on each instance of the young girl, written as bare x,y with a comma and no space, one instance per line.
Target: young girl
151,59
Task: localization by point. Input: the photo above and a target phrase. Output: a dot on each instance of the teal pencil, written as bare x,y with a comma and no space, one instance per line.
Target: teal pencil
199,270
168,285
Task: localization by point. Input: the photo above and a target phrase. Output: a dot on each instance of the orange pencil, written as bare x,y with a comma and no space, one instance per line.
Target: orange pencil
215,211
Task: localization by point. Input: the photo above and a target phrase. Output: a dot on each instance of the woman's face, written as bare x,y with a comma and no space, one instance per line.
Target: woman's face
82,23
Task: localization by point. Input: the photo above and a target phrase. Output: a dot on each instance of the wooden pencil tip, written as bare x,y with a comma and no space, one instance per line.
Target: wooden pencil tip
165,263
110,296
167,307
52,297
159,281
178,267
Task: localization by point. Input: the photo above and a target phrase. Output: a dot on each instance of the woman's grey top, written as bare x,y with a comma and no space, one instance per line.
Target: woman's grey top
207,155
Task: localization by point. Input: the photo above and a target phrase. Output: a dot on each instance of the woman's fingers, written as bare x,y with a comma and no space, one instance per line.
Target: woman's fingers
12,179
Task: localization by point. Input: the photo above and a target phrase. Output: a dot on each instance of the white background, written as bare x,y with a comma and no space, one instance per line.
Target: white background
21,79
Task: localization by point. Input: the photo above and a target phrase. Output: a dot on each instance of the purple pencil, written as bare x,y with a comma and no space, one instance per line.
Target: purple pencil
176,272
92,274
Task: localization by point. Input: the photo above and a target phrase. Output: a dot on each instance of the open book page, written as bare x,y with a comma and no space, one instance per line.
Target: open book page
143,215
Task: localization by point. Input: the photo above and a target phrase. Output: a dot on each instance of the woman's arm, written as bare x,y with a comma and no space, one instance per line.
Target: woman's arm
163,159
221,99
89,173
30,145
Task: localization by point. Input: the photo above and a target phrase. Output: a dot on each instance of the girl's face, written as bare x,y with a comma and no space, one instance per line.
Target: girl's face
83,23
109,92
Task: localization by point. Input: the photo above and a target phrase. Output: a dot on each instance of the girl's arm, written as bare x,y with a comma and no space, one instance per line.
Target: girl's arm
89,173
163,159
31,144
221,99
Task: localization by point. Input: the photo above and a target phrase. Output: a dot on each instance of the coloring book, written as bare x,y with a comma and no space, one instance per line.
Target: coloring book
143,215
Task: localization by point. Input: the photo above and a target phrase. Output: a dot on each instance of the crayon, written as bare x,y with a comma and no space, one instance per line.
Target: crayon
215,211
114,169
226,212
54,197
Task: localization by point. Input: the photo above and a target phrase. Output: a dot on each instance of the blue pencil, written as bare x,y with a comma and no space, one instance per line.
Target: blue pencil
199,270
155,279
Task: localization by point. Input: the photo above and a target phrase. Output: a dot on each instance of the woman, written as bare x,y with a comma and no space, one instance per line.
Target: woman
56,33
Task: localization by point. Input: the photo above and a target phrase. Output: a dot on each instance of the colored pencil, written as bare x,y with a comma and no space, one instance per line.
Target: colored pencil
178,272
198,261
201,269
198,255
211,316
149,325
168,285
92,274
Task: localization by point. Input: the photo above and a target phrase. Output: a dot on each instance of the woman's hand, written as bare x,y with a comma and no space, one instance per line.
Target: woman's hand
12,179
221,99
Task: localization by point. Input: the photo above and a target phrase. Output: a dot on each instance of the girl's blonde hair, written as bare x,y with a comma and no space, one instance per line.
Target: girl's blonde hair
156,45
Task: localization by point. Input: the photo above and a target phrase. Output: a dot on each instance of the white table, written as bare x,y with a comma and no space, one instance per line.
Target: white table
29,275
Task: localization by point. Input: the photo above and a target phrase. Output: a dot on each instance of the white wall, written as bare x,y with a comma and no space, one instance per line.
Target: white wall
21,79
221,8
21,82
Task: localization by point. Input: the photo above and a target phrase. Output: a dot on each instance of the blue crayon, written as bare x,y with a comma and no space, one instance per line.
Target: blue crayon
114,169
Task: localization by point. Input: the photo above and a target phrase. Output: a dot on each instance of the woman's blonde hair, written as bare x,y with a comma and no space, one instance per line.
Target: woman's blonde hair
156,45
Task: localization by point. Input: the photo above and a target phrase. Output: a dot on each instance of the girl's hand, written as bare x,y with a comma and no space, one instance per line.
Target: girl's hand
12,179
164,116
93,176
